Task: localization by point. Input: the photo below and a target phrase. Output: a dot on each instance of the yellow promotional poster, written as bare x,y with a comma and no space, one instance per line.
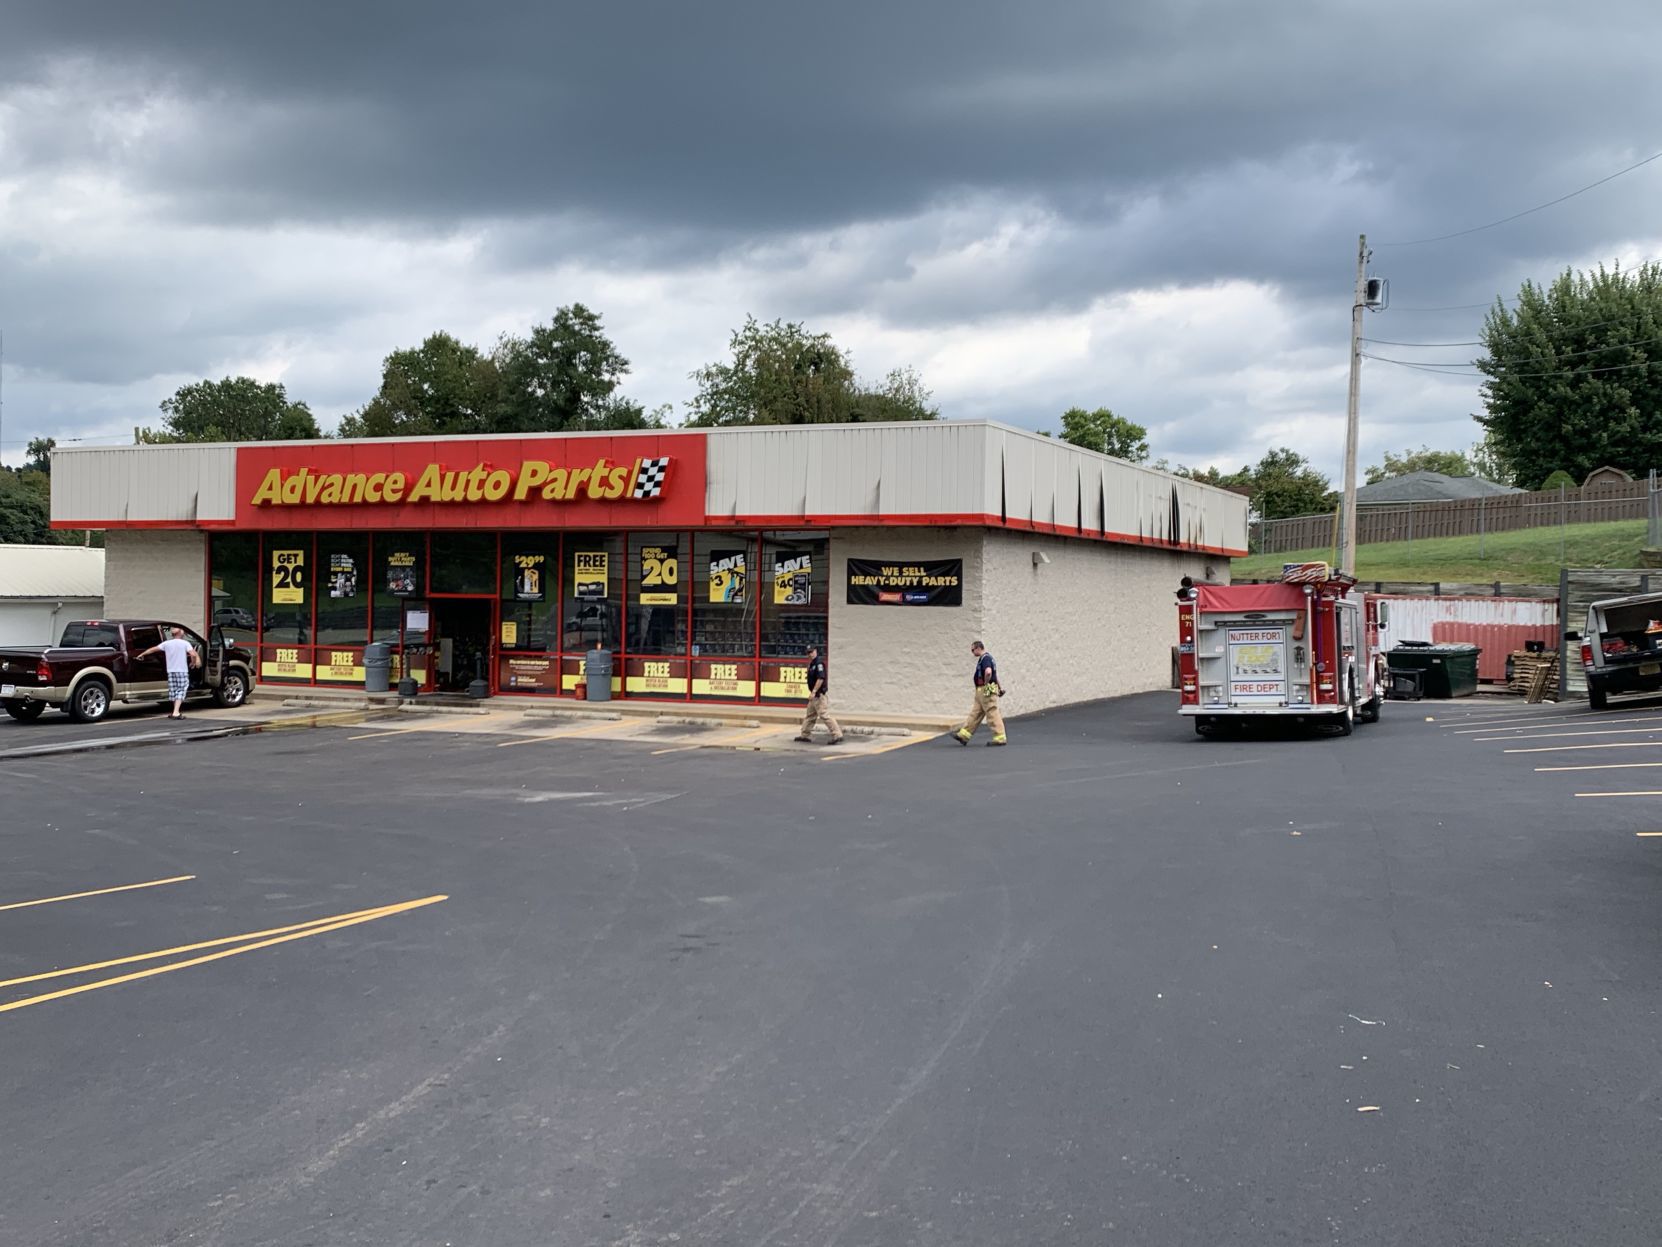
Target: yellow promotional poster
510,632
791,682
657,679
343,666
660,576
589,575
285,664
727,576
793,579
288,577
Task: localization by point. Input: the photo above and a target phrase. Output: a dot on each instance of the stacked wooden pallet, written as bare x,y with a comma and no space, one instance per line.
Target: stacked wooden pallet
1534,675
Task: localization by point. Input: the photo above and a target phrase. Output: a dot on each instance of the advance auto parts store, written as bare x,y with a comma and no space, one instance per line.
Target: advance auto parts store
705,561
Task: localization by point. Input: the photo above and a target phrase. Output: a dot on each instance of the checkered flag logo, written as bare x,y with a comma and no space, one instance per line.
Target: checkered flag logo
649,481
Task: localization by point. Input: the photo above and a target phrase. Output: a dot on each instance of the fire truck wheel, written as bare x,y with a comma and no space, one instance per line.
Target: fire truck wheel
1205,727
1369,712
1347,721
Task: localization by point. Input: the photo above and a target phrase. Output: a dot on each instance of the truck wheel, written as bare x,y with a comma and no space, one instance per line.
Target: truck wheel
1347,721
90,702
1369,712
23,710
1205,727
232,690
1597,698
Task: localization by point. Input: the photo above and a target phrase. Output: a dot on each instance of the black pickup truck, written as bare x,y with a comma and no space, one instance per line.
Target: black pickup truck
95,664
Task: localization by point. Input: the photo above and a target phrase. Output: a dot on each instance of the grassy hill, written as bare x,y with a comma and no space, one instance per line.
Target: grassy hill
1529,556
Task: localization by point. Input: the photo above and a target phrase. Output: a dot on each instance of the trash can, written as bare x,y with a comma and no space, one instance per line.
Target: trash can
597,673
377,668
1448,670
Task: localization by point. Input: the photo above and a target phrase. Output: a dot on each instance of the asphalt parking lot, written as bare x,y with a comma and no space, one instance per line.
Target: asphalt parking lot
1112,984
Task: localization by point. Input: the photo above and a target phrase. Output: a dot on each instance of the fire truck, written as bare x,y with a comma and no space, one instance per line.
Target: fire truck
1305,649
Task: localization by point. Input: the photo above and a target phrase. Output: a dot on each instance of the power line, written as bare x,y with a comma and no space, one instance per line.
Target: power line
1446,370
1451,307
1477,229
1390,342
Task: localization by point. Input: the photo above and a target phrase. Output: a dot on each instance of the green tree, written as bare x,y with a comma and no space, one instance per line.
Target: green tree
1283,483
235,409
25,508
1448,462
901,395
1559,479
564,376
779,374
1571,372
1104,432
441,387
1486,462
39,455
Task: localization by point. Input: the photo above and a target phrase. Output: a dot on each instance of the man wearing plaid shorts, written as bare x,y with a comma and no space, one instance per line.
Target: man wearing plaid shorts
181,657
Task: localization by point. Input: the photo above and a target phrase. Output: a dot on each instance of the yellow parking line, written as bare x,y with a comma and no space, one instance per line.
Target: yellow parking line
227,952
1643,834
191,948
866,753
75,896
607,726
678,749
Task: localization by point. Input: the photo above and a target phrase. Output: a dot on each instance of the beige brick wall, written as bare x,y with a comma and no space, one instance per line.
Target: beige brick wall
902,659
1098,620
156,574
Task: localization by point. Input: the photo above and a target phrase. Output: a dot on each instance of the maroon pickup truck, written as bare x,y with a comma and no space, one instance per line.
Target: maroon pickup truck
96,664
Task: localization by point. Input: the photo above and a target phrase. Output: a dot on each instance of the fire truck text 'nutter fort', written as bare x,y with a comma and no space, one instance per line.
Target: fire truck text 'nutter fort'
533,480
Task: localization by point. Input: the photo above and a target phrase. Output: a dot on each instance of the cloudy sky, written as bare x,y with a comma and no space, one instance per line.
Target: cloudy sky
1152,206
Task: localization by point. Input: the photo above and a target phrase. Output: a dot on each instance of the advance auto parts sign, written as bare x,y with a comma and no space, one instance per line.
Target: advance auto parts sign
936,583
487,483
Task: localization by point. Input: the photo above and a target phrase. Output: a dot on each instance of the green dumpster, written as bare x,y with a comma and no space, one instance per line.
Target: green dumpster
1448,670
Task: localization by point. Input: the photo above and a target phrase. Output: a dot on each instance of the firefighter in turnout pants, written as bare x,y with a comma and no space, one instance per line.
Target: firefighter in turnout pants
985,705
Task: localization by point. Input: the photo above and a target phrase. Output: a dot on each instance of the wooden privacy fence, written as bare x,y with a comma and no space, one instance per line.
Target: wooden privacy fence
1470,517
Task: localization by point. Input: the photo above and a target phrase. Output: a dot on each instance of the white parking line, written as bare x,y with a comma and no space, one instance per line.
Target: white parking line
1552,722
1626,744
1614,731
1601,766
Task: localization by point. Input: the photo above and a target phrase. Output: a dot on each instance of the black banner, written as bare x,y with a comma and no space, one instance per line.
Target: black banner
936,583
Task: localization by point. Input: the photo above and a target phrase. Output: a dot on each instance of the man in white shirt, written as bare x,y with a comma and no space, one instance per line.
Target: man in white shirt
181,657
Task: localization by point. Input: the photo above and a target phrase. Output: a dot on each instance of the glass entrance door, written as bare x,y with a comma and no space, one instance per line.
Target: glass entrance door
464,631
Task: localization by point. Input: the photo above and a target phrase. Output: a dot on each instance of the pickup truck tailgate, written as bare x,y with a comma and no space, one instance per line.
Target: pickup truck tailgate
19,666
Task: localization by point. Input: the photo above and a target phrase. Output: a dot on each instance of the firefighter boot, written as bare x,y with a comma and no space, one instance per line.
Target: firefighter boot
961,736
1000,739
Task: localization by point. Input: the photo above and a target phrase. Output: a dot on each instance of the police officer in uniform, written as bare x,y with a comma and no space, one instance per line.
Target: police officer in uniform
985,706
819,703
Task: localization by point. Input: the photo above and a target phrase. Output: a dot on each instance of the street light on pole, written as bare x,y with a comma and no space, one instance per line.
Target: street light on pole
1369,293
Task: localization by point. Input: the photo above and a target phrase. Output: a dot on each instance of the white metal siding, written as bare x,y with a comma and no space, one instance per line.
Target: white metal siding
961,472
182,484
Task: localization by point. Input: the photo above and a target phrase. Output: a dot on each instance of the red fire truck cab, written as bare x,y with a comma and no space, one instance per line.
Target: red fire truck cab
1303,649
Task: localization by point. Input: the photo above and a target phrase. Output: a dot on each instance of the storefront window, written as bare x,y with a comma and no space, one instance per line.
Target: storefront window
288,574
343,589
464,563
657,601
592,596
724,600
234,584
794,609
530,591
724,616
400,576
795,601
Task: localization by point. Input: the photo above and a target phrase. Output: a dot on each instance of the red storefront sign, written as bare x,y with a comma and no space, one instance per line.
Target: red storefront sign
533,482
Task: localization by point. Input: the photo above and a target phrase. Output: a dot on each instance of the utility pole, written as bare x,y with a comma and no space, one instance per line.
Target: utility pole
1347,535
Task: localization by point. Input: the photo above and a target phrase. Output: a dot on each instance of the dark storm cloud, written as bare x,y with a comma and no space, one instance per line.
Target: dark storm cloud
914,165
